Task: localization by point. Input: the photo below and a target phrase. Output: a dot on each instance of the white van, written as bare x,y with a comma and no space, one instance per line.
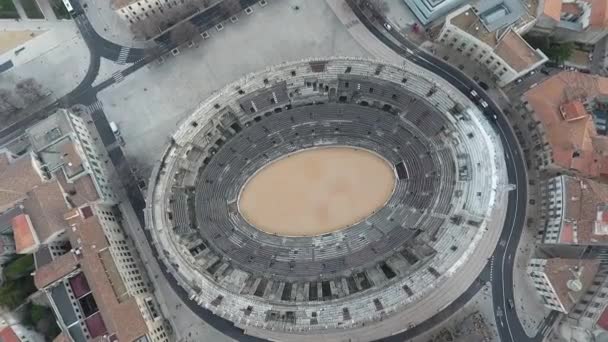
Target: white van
114,128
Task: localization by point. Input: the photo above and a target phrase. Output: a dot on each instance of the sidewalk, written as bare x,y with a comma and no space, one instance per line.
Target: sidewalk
109,25
60,48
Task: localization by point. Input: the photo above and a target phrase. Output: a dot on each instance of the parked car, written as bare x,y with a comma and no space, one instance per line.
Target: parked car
483,85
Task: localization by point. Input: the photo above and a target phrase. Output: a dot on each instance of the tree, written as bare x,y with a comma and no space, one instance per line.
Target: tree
560,52
183,32
29,90
9,102
19,267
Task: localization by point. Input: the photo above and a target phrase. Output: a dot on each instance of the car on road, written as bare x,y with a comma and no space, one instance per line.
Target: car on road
388,26
114,128
483,104
473,94
511,305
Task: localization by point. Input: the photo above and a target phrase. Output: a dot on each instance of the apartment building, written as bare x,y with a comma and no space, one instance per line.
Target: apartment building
561,282
67,150
581,21
98,288
573,211
570,113
491,39
61,207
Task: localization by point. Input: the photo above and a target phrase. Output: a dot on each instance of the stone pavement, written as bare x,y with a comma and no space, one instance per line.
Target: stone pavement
481,303
159,96
59,48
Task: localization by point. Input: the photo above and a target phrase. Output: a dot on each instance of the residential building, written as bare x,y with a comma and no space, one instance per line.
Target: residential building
573,211
18,175
66,149
591,311
139,10
97,288
581,21
570,111
562,282
492,39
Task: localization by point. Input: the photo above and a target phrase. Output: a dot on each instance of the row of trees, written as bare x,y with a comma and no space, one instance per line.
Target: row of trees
25,93
172,14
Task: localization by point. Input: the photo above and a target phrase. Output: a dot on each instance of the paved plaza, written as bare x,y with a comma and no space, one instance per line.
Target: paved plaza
148,105
58,58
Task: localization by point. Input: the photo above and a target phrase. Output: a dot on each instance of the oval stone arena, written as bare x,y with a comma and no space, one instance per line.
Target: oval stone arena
317,191
328,199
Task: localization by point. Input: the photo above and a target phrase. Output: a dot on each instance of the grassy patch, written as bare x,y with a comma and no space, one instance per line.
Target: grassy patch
8,10
31,9
59,8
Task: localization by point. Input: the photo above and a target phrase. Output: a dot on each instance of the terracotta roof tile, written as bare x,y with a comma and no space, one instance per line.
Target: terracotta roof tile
26,239
574,143
599,14
585,207
46,205
121,315
553,9
8,335
16,178
55,270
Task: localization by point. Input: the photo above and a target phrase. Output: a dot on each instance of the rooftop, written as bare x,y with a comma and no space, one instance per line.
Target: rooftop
119,311
586,212
508,45
50,130
599,13
17,177
552,9
55,270
8,335
45,206
575,144
26,239
561,272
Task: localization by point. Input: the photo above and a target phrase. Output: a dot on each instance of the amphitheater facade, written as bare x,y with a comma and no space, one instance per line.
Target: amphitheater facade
385,272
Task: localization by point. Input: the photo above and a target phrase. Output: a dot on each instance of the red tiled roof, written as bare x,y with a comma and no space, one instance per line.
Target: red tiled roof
599,13
603,320
573,110
8,335
55,270
553,9
574,144
16,178
26,239
566,235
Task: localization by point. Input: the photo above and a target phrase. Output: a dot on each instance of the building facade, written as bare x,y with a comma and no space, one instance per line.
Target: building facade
580,21
502,51
561,282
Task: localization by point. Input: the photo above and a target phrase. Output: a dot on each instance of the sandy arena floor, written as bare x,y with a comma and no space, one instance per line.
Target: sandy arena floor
12,39
317,191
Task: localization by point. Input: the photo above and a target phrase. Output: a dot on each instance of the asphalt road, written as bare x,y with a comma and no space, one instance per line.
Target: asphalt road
508,324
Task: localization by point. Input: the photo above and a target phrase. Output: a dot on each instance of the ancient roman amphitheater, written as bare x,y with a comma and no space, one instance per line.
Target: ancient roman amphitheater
338,198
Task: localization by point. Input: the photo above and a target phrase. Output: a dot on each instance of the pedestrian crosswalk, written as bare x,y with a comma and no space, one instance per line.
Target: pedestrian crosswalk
95,106
118,76
122,56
